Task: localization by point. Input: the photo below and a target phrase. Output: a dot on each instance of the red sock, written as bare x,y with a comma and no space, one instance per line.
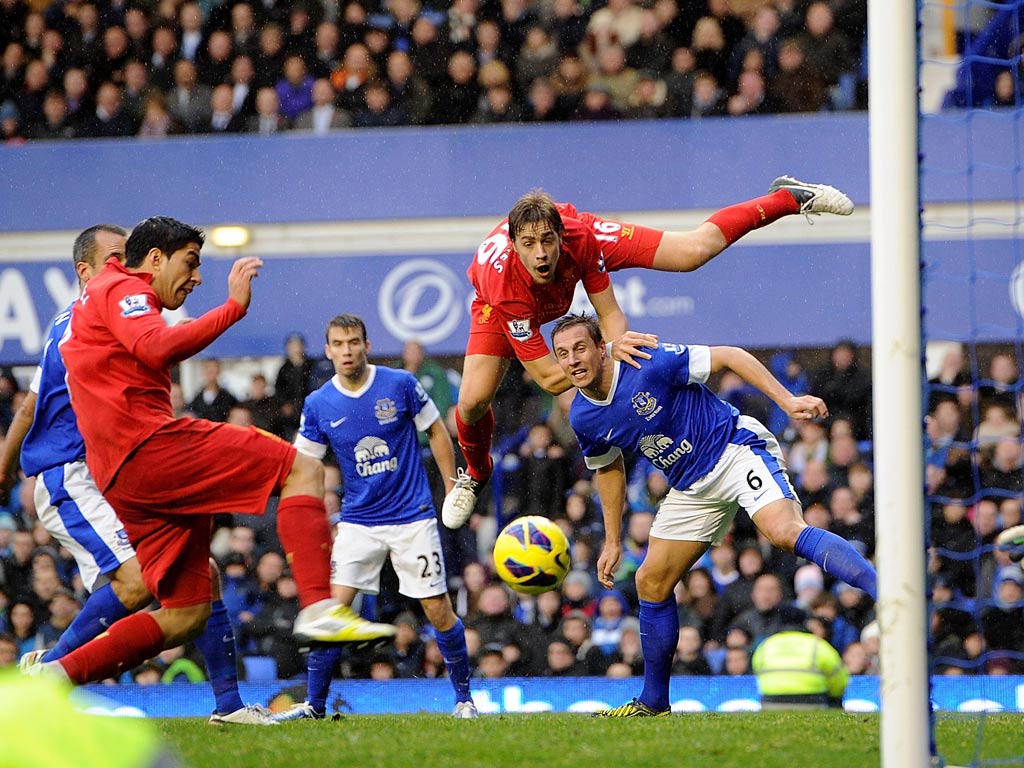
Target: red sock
475,441
306,538
127,643
736,220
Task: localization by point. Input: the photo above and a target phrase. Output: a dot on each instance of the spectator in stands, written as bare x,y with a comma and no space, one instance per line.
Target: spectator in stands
596,104
647,101
270,628
189,100
223,118
268,119
689,658
22,626
1002,624
157,120
575,629
770,612
54,124
750,97
410,93
270,55
561,660
795,87
163,57
190,24
324,116
349,80
953,380
696,599
846,389
212,402
1002,383
109,118
618,23
378,111
213,64
537,58
243,88
736,597
612,609
456,98
295,89
828,51
613,73
406,651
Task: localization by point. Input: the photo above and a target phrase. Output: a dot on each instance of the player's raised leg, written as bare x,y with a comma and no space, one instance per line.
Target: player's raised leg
688,250
481,375
783,523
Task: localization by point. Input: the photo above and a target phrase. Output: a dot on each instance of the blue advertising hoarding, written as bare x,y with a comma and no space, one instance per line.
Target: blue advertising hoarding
801,295
525,695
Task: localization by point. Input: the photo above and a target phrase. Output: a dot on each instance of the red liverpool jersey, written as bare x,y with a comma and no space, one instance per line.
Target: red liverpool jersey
520,305
118,354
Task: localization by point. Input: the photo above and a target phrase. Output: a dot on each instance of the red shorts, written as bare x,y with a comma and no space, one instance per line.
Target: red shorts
486,336
168,490
624,245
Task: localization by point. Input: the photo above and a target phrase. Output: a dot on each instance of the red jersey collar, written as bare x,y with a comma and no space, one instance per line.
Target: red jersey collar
114,263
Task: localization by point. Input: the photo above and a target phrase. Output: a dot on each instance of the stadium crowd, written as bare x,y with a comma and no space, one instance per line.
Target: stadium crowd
740,593
104,68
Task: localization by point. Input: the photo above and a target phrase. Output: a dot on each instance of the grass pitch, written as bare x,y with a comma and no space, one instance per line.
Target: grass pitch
750,740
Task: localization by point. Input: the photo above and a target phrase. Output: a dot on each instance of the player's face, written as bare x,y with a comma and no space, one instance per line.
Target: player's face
107,244
176,275
580,358
348,350
539,248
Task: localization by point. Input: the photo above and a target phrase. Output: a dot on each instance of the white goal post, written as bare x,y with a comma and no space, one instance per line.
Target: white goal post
896,373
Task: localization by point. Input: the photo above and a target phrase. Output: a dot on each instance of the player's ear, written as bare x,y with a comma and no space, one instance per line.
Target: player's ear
155,257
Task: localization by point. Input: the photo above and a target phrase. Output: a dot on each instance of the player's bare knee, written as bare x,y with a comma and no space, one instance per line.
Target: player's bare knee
127,584
471,410
652,586
439,612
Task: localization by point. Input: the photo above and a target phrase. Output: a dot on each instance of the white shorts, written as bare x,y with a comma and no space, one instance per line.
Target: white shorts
751,474
73,510
415,549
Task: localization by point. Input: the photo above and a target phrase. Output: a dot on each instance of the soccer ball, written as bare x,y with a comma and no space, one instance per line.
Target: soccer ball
531,555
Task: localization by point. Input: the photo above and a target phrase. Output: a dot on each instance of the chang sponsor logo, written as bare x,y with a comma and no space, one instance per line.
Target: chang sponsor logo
420,299
373,456
662,451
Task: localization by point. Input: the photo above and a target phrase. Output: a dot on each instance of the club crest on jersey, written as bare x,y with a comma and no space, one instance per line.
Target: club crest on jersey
656,449
520,329
122,539
133,306
373,456
385,410
646,405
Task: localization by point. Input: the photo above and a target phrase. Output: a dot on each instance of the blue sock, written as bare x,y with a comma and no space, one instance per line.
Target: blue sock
217,644
837,557
320,665
659,634
100,611
452,644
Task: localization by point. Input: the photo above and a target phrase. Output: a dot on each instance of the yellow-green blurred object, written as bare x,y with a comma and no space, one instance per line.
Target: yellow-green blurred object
799,666
41,728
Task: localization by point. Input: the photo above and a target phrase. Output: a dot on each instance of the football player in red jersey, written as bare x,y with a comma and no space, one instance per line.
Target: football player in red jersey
167,477
525,274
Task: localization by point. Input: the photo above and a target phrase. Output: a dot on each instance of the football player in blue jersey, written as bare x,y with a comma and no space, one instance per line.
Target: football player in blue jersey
715,459
44,433
369,415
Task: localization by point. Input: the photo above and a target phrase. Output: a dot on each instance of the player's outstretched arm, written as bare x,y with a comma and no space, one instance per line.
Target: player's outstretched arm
610,482
750,369
548,374
11,451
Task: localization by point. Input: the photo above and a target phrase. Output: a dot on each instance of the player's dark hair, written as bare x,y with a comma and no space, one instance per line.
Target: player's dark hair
571,321
345,321
535,207
84,248
163,233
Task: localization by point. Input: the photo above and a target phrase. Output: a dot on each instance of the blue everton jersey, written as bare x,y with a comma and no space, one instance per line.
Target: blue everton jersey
54,439
373,434
663,411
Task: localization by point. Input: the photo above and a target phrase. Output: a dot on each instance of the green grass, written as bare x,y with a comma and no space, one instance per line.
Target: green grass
751,740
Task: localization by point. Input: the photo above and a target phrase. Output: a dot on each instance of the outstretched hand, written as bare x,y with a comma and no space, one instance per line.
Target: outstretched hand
631,344
243,271
805,407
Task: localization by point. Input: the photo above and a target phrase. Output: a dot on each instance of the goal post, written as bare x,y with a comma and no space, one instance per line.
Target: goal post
896,372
